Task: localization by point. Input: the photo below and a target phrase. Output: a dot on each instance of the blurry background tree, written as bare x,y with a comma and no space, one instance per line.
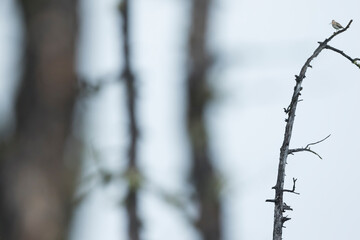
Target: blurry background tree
203,174
36,178
132,172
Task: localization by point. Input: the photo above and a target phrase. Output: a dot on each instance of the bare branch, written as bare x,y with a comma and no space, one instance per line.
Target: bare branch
291,151
307,148
352,60
279,219
293,189
340,31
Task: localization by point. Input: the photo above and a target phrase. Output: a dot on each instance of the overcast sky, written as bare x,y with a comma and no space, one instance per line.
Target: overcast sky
260,46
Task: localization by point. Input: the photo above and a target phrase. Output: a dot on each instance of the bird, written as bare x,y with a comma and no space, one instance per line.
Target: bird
336,25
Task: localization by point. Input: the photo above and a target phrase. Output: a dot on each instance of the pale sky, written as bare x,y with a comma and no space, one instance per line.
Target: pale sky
260,45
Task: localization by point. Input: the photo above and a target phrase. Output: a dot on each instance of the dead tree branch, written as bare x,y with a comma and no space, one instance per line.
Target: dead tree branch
352,60
307,148
293,188
280,206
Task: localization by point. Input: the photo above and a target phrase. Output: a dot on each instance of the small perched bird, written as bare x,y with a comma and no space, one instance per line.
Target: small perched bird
336,25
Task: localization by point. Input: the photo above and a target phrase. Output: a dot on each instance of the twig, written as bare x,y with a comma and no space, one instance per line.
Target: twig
293,189
318,141
291,151
307,148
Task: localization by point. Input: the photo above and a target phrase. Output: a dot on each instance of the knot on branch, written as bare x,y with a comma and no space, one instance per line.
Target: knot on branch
356,63
276,200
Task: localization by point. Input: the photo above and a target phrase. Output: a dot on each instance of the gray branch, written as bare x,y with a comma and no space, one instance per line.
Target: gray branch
292,190
352,60
278,200
307,148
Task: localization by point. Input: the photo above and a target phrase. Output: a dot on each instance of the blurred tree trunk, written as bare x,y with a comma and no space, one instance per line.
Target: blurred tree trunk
36,183
203,174
133,175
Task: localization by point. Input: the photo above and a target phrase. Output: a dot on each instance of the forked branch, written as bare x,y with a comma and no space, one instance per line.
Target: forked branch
293,188
307,148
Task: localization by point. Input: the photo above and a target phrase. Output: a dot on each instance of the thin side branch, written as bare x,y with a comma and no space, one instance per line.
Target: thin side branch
352,60
293,188
291,151
307,148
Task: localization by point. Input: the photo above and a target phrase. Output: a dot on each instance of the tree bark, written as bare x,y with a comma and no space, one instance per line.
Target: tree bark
36,183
